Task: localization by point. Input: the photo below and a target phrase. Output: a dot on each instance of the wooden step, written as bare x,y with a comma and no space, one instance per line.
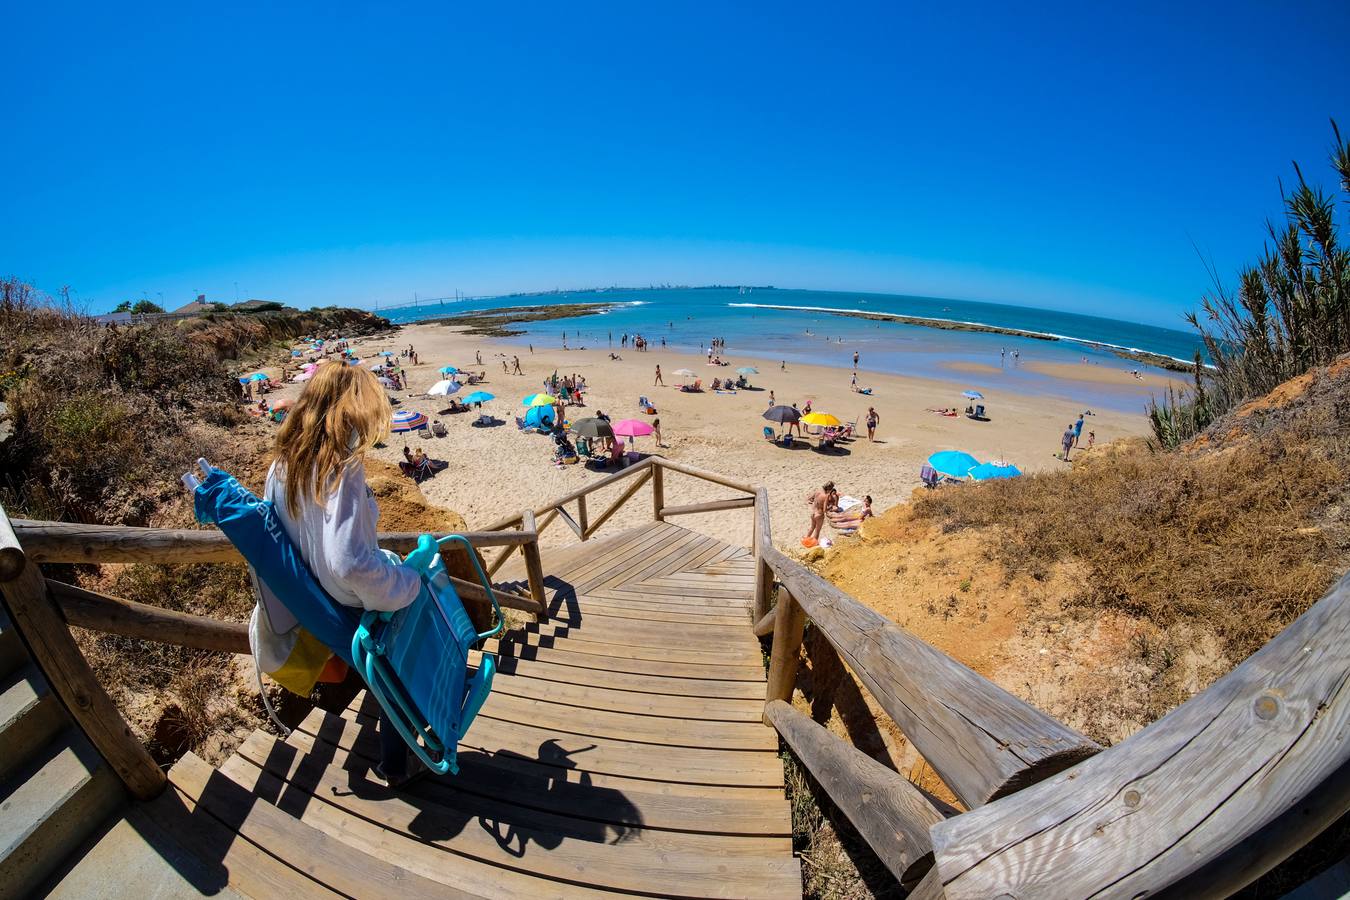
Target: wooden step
134,855
593,656
585,855
509,775
50,806
614,699
744,653
640,682
30,716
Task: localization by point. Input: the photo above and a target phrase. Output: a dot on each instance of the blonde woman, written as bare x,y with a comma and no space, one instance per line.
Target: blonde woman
317,483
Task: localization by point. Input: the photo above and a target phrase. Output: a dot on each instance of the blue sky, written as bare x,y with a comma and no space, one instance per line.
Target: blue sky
1054,155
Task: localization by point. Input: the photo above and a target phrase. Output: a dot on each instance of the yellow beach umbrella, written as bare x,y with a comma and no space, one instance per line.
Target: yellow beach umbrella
825,420
542,400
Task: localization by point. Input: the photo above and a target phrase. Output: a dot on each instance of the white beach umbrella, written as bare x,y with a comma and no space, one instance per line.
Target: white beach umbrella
444,388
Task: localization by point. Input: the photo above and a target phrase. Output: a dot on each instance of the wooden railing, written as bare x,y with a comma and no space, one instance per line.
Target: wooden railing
1198,804
43,610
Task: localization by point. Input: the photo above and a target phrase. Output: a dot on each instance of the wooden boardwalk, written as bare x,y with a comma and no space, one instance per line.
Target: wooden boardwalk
622,751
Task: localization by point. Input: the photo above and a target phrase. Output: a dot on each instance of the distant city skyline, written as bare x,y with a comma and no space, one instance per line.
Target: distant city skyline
1070,157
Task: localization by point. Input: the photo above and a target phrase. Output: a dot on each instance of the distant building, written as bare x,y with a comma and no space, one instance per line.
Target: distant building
117,318
196,307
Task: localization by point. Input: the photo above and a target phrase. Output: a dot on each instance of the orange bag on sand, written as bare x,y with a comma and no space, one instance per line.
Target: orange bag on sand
809,542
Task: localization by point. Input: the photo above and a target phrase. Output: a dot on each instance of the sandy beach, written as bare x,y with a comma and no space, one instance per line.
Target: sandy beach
498,470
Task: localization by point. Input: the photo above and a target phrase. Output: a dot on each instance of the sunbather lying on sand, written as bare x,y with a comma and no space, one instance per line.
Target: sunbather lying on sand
853,516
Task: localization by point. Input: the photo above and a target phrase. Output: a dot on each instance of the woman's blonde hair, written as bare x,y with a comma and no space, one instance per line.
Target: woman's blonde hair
340,415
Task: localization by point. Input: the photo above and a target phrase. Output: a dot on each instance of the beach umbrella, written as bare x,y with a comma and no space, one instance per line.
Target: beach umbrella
478,397
972,395
540,400
258,376
408,420
986,471
953,463
783,414
444,388
825,420
592,428
353,361
539,416
683,373
387,382
747,370
284,403
375,367
631,427
386,353
310,367
303,376
449,370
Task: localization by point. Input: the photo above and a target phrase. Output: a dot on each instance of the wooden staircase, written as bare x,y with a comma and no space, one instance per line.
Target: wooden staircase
621,751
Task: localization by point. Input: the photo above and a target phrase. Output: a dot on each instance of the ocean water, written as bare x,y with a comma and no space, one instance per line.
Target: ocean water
796,326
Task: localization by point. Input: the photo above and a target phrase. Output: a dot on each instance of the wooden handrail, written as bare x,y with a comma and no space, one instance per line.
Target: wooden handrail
66,542
764,627
763,538
708,506
789,624
114,615
982,741
35,615
704,474
629,472
1201,802
891,814
614,507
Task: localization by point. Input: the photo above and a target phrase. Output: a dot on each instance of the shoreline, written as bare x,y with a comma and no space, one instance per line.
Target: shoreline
1157,360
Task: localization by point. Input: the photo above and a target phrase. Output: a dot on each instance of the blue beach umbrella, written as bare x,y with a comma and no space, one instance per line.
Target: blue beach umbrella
747,370
386,353
257,376
986,471
953,462
478,397
972,395
449,370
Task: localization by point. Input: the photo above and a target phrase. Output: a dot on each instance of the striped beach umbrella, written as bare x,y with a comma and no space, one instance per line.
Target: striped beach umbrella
408,420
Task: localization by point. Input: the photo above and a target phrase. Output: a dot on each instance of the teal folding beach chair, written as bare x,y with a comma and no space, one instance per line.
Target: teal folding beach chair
416,661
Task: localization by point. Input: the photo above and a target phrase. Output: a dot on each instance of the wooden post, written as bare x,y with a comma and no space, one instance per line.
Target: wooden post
787,645
763,573
582,519
38,620
658,492
534,568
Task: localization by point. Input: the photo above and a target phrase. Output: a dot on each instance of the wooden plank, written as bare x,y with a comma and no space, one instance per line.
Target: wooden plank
520,778
71,542
534,568
636,664
631,703
506,599
616,553
982,741
705,475
622,565
615,756
665,555
234,860
114,615
1198,804
632,682
12,558
891,814
707,506
572,523
618,503
578,852
694,615
582,518
758,822
335,864
764,626
642,729
734,646
642,600
34,614
789,624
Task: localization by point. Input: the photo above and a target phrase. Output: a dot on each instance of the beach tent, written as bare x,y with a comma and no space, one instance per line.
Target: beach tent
408,420
954,463
988,470
539,417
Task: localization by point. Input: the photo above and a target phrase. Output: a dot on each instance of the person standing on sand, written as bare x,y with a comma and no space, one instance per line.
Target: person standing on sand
820,502
478,357
771,404
872,421
855,361
782,367
1067,442
658,377
506,370
1077,429
656,432
1092,439
516,362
